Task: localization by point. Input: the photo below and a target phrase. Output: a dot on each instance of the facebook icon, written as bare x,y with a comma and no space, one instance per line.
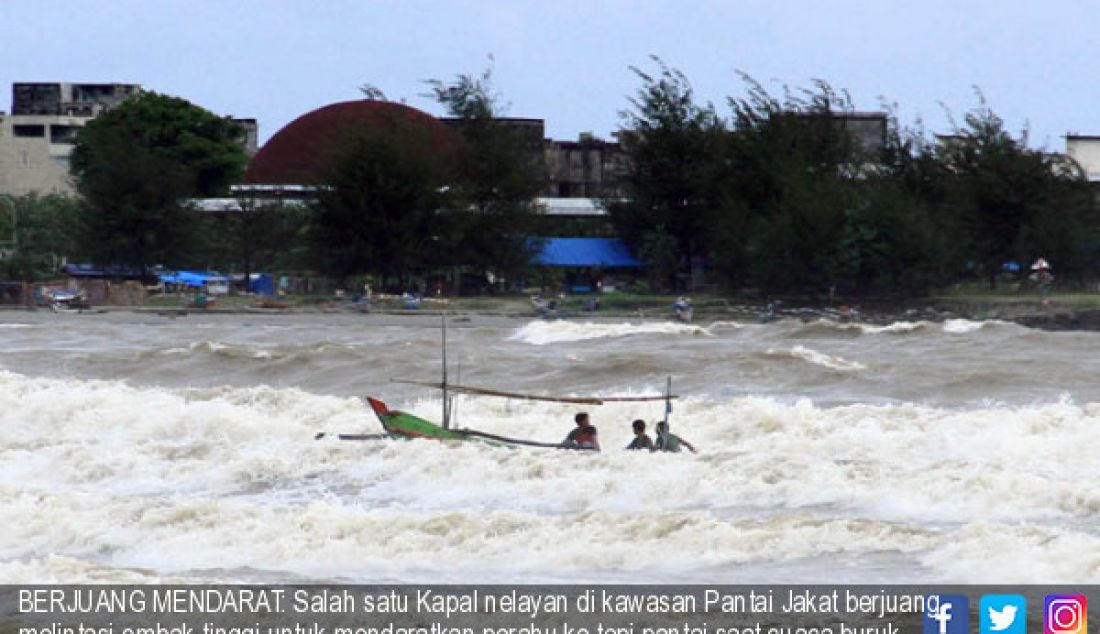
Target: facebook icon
946,614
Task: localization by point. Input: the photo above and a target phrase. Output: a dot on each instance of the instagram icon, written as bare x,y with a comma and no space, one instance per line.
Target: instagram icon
1065,614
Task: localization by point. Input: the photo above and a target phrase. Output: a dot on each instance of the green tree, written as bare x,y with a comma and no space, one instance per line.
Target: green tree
1015,203
38,234
889,243
673,175
794,168
896,237
137,164
501,173
257,234
380,209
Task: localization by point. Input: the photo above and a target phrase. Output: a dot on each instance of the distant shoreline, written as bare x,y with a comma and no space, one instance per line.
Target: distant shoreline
1078,313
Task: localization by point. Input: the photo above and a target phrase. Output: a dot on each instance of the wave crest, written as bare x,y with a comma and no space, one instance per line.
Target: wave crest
809,355
541,333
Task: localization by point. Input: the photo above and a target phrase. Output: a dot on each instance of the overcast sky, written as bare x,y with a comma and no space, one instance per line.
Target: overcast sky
568,61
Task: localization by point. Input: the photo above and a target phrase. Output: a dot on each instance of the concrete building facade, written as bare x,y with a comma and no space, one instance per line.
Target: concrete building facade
1086,151
36,139
867,129
586,168
34,153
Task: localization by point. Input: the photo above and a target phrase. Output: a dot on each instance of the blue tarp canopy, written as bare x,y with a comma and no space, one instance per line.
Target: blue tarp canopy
585,252
192,278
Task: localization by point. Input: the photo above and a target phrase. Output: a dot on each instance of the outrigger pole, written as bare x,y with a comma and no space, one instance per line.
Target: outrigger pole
581,400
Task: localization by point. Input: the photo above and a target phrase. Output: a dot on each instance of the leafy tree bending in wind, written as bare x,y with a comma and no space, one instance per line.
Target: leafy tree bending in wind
136,164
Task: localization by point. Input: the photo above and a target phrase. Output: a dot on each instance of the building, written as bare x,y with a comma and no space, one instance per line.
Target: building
586,168
78,100
36,139
251,138
580,172
300,153
1086,151
867,129
34,153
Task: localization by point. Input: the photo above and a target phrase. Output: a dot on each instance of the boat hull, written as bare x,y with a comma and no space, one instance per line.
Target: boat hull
400,424
405,425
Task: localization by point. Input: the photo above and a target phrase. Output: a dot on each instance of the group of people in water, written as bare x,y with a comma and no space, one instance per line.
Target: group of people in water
585,436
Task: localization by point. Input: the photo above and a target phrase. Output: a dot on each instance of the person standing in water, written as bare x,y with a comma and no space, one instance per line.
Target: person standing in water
641,439
583,436
667,441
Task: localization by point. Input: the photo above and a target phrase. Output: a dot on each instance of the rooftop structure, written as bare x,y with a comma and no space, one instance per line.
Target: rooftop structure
76,100
301,151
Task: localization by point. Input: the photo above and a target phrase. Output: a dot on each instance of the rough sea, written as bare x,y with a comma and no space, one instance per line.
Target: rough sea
144,448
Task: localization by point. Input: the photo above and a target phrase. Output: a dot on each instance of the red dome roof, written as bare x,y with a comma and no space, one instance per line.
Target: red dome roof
298,152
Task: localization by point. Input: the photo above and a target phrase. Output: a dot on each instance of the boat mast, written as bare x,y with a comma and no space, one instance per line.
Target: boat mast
446,398
668,401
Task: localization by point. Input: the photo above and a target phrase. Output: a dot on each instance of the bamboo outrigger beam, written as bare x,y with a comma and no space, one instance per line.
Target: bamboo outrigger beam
580,400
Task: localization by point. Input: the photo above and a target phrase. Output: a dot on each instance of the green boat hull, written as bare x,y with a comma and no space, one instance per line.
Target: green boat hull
400,424
405,425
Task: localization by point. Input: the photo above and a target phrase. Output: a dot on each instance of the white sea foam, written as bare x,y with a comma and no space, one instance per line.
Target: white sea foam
55,569
817,358
895,327
952,326
113,482
541,333
964,326
221,348
329,539
988,552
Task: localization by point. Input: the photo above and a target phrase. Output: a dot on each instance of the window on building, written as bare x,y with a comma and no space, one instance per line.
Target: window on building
63,133
28,131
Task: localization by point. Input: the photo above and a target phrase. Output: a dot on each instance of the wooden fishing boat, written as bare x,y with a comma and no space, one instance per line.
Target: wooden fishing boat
400,424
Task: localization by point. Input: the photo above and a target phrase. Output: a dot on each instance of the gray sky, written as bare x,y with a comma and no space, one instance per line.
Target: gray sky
567,61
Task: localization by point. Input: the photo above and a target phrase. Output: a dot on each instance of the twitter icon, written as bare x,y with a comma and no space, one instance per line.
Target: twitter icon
1003,614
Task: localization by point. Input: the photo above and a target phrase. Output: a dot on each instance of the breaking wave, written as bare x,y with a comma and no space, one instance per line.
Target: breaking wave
814,357
897,327
119,483
951,326
964,326
541,333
